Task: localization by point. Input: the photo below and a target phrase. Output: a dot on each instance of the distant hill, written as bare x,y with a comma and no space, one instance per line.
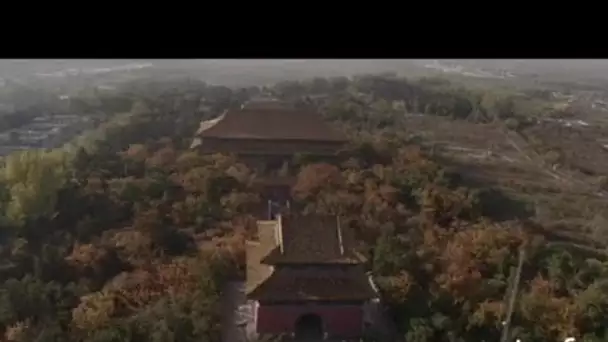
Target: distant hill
226,71
236,72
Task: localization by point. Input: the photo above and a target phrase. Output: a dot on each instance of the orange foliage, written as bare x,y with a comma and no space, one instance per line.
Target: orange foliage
397,287
441,205
469,253
17,331
315,178
489,312
136,152
164,157
129,292
553,315
87,255
135,244
94,311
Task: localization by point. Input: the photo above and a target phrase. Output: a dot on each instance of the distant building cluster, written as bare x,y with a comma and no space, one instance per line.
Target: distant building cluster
47,131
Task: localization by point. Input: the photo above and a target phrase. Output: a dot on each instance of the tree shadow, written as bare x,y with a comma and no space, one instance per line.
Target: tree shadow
499,206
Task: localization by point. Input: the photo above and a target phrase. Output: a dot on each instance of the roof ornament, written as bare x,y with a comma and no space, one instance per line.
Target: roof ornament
280,233
264,97
265,101
339,231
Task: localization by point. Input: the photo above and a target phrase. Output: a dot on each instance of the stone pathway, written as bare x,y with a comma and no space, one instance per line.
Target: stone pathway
237,314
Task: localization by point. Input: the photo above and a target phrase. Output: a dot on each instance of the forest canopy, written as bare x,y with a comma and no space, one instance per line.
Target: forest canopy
126,234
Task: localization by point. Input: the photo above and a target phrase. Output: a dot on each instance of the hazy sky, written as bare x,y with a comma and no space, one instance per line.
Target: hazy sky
302,67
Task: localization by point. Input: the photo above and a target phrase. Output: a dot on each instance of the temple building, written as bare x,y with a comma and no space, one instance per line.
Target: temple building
305,279
267,134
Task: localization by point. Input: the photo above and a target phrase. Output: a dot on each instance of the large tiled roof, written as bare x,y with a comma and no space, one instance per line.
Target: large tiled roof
276,122
288,284
313,239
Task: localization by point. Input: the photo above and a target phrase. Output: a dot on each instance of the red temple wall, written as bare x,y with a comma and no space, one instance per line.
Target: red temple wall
338,320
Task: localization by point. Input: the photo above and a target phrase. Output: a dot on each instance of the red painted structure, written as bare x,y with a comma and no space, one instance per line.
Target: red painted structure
317,276
316,272
343,320
267,136
269,133
338,320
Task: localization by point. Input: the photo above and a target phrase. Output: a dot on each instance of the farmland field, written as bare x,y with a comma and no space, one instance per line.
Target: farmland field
489,156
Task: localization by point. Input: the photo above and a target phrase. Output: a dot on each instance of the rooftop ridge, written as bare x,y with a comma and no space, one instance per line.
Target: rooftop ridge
280,233
271,122
267,103
313,239
263,97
